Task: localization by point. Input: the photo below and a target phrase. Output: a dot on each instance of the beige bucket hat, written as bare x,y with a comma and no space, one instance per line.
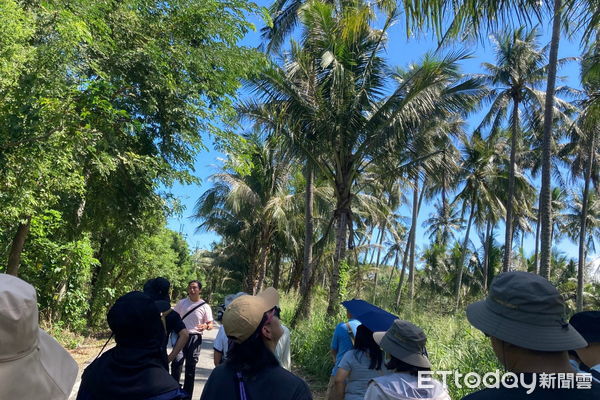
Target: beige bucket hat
32,364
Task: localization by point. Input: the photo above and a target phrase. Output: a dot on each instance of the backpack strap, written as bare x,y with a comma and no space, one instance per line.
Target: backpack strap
163,318
349,328
192,310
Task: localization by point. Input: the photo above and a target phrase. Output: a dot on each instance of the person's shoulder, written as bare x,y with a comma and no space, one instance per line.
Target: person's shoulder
297,385
341,326
181,302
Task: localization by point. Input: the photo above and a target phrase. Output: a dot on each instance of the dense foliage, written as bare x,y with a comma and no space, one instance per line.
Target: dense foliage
103,106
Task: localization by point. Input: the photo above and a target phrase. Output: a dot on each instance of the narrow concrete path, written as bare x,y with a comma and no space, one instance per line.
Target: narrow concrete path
203,369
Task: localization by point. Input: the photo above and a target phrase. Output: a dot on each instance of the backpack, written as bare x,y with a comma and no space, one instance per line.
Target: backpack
350,333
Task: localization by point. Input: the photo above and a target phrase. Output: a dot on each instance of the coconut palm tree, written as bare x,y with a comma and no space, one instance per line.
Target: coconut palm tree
357,124
249,207
481,16
480,173
582,154
519,71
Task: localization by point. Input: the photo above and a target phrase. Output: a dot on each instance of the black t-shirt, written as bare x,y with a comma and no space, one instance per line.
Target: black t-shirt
173,322
538,393
272,383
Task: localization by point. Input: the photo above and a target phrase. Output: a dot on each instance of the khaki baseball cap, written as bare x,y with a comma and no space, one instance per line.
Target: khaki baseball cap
244,314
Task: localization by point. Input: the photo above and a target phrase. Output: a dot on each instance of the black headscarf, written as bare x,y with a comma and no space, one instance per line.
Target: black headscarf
135,367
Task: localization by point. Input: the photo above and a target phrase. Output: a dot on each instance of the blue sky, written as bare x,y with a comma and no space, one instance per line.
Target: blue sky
401,52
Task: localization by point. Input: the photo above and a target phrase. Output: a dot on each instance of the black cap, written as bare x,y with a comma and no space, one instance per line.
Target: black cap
135,321
587,324
158,289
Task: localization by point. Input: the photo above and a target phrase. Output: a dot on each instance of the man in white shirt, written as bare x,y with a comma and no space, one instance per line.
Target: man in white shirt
197,317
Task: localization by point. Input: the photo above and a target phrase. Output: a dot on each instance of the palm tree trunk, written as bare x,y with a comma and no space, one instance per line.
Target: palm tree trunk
276,269
537,242
404,262
508,237
582,228
464,252
14,257
415,216
308,229
486,254
545,194
338,257
380,242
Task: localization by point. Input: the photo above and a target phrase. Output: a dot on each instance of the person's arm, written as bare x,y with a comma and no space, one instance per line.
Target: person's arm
340,383
333,355
334,344
209,317
179,345
217,357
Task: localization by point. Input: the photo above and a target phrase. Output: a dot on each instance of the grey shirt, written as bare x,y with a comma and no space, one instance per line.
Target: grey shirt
357,363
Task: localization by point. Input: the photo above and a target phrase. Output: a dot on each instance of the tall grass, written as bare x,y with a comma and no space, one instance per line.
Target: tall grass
452,343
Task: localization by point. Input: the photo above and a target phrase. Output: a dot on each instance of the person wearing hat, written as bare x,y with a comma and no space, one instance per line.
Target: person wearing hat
524,316
405,345
158,290
251,371
587,324
135,367
32,364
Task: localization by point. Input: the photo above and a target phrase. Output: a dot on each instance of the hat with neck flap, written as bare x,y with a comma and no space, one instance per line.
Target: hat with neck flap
32,364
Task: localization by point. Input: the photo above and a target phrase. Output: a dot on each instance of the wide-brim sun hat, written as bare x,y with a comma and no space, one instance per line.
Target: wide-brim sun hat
406,342
32,364
525,310
243,316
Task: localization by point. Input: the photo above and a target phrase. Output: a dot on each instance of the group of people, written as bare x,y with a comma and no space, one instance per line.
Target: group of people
523,316
544,356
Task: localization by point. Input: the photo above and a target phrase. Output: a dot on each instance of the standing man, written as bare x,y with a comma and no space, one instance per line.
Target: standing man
197,317
342,341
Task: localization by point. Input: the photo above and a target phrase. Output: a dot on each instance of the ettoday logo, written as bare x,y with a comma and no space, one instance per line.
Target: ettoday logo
509,380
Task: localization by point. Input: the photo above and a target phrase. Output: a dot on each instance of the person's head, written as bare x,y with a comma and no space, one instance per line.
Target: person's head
158,289
231,297
349,315
364,342
524,316
32,364
587,324
194,288
405,343
252,323
135,322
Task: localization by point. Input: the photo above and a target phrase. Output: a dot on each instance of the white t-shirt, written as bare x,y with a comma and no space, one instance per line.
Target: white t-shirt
221,342
201,315
282,350
402,386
